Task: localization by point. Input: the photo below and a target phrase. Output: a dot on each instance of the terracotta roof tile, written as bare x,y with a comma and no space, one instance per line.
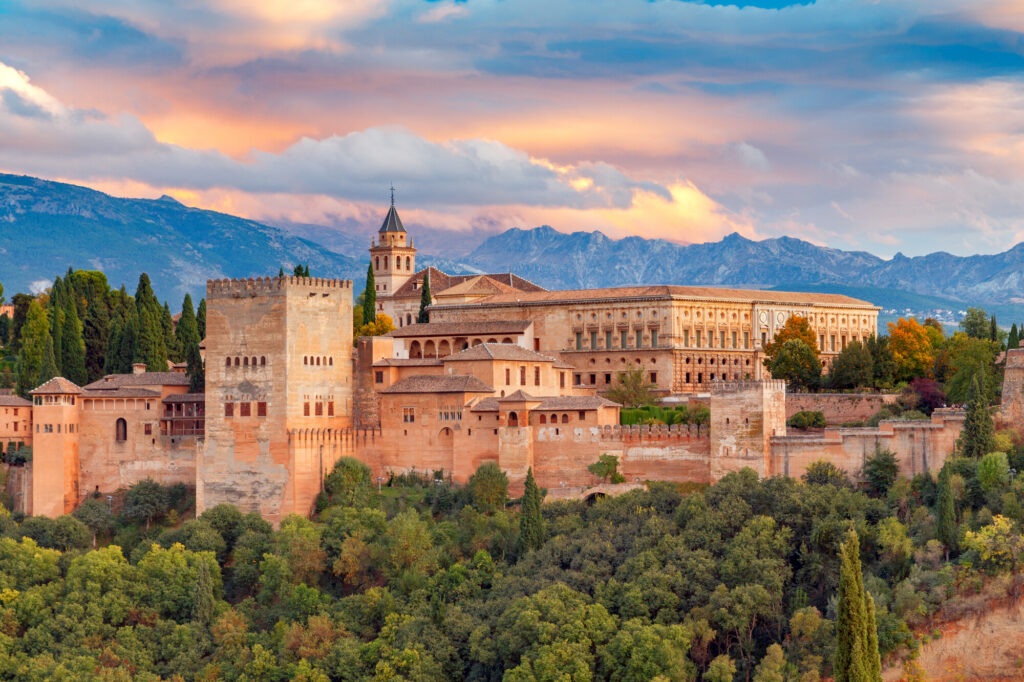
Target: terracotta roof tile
8,400
575,402
498,351
462,328
458,383
441,281
518,396
127,392
185,398
486,405
408,362
667,292
57,386
142,379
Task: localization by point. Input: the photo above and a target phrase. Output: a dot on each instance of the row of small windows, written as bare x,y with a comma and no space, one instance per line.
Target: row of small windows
608,315
578,378
723,339
317,409
318,360
623,338
724,361
724,377
398,263
50,428
245,362
53,400
245,409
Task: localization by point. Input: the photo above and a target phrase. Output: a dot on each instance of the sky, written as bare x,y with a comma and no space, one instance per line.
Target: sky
878,125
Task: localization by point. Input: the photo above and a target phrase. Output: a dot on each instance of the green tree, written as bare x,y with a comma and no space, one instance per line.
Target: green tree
976,323
425,299
73,364
145,501
882,361
855,660
204,601
369,297
994,472
976,438
350,483
966,358
35,359
823,472
187,331
151,344
5,329
96,515
21,303
853,367
631,389
1014,338
531,523
993,330
201,319
488,487
607,468
55,313
773,667
796,363
946,513
880,471
195,369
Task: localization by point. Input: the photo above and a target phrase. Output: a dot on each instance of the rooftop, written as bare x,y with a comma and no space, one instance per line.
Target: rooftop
462,328
112,381
185,398
498,351
670,292
128,392
440,281
458,383
408,362
553,403
392,223
57,386
11,400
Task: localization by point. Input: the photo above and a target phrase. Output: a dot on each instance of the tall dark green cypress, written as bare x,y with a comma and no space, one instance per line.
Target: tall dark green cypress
151,344
370,297
201,319
531,523
946,513
425,299
856,657
55,309
1014,339
170,340
204,602
976,438
196,370
112,360
187,332
73,344
35,355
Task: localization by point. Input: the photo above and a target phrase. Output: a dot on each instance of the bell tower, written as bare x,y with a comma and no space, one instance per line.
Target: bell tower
392,256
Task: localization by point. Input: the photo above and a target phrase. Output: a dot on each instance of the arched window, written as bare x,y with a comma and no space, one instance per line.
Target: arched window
254,361
565,419
408,318
318,362
245,362
305,359
408,263
376,263
543,419
227,362
263,361
513,419
330,361
385,262
554,419
121,430
238,362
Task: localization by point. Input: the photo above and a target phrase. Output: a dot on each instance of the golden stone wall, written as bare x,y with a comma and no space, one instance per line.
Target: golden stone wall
55,483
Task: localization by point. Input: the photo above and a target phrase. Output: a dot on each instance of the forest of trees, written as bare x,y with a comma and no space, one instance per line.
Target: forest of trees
745,580
82,329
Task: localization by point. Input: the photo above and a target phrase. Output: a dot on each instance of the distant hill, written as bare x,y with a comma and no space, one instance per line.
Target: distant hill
45,227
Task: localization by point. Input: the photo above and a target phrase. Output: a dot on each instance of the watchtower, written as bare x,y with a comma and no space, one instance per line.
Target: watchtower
55,415
1011,413
278,358
392,258
744,417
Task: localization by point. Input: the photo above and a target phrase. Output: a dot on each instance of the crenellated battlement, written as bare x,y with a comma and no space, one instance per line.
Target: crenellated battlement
254,286
308,436
653,432
741,386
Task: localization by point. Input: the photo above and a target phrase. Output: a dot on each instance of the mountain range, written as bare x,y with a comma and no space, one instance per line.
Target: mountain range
45,227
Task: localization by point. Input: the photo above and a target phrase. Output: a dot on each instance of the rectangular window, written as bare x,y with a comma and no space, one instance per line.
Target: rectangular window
686,338
832,342
378,377
58,428
536,376
579,340
687,377
764,339
561,379
607,339
581,414
244,409
522,376
330,409
305,409
844,341
700,377
536,344
148,429
261,409
654,338
409,415
319,409
593,340
721,339
711,339
821,341
734,340
607,378
508,376
577,379
623,339
697,335
654,377
229,409
639,338
593,379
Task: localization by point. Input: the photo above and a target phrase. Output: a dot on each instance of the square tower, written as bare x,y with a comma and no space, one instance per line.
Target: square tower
393,260
56,408
278,363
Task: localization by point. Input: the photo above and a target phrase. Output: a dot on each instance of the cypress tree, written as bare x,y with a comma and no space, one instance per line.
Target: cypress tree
370,297
151,343
874,655
187,332
196,371
128,347
993,329
201,319
856,649
976,439
56,312
425,299
35,359
306,273
1014,338
170,339
5,329
112,362
204,603
531,523
946,513
73,364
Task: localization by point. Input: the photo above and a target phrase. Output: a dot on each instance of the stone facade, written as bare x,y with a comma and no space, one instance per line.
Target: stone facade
839,408
278,389
15,422
1011,412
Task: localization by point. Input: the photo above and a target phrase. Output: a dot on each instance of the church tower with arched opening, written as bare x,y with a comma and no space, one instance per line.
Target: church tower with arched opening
392,255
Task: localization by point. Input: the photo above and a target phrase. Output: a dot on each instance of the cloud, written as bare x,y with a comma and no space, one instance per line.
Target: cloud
751,157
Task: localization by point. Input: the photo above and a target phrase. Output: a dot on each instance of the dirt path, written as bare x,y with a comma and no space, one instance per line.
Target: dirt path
988,647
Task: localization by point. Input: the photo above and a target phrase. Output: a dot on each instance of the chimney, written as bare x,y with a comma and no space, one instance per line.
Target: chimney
138,367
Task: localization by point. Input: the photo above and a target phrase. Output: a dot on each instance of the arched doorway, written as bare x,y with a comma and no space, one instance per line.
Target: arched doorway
429,350
415,351
444,349
513,420
121,430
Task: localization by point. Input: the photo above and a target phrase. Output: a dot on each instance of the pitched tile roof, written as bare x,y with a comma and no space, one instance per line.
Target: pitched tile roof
57,386
498,351
128,392
9,400
553,403
457,383
112,381
408,362
486,405
441,281
667,292
518,396
185,398
462,328
392,223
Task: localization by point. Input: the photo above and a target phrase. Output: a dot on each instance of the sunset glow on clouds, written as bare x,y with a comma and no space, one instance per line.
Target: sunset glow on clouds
892,126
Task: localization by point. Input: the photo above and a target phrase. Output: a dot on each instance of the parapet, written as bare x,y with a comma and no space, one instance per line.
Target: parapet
262,286
745,385
654,432
1015,358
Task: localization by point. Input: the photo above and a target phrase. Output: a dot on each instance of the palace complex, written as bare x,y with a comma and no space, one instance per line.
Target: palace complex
505,371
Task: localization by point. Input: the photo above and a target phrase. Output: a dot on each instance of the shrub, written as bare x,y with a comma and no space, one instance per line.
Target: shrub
488,487
880,470
993,472
825,473
807,420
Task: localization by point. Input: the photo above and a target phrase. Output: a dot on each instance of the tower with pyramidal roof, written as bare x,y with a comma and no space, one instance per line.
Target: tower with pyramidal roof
392,255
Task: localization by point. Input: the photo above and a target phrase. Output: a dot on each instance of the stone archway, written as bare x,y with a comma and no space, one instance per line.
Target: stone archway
444,349
415,351
513,420
429,350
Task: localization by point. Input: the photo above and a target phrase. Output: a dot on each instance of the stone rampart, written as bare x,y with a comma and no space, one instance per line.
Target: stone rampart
839,408
218,288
